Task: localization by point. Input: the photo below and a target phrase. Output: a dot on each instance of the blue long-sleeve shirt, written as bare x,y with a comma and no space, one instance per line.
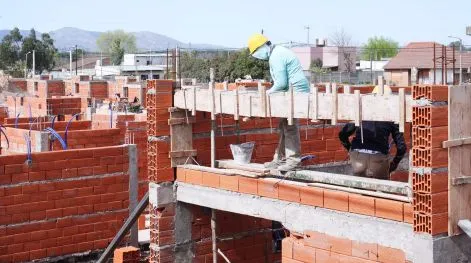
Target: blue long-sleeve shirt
286,70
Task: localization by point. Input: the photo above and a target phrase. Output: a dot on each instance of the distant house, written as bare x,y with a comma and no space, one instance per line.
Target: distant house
368,66
144,66
415,64
334,58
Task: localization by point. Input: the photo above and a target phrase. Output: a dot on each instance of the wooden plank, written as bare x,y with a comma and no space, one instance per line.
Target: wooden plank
185,153
380,85
402,110
459,164
177,121
263,98
181,138
193,109
334,104
456,142
461,180
236,104
315,98
374,108
290,105
357,106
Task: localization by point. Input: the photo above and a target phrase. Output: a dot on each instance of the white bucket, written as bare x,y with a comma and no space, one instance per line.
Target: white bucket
242,153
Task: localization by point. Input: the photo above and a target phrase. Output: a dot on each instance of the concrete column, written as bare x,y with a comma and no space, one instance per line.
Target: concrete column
42,142
183,243
133,190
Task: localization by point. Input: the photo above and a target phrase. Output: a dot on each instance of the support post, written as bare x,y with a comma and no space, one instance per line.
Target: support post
334,104
263,98
315,102
380,85
133,191
213,235
213,117
402,110
290,106
357,108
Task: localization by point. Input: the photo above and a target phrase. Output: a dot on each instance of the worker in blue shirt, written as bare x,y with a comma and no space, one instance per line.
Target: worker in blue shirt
286,71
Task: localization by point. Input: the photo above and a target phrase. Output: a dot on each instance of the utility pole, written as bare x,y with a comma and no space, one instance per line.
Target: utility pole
34,62
307,29
70,63
82,61
461,51
26,65
76,58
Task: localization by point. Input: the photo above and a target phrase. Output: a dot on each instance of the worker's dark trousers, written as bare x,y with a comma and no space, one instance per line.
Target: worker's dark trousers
289,143
370,165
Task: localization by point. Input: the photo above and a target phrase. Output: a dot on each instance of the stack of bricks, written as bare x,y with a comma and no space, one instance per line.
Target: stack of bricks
430,160
159,98
313,247
126,255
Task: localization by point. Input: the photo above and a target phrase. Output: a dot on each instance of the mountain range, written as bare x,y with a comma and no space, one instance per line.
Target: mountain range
68,37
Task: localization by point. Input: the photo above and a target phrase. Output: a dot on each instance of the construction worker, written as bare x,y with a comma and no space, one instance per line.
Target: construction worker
285,71
369,152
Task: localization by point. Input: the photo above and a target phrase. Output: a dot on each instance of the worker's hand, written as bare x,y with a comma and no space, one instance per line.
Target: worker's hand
393,167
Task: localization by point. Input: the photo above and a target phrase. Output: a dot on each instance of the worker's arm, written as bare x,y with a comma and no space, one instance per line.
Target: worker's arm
279,74
345,133
401,147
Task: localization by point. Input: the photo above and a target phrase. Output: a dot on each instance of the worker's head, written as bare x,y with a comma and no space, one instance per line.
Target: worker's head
387,90
259,46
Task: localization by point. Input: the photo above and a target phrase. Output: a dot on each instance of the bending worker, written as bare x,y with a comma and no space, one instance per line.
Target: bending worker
285,71
370,158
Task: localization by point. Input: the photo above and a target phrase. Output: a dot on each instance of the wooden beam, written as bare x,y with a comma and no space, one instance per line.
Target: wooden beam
181,137
459,166
335,101
290,105
456,142
461,180
374,108
402,110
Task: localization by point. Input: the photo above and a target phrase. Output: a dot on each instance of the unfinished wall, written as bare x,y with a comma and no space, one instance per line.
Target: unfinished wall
17,85
66,202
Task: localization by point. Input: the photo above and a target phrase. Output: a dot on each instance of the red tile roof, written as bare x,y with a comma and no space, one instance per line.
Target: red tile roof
420,55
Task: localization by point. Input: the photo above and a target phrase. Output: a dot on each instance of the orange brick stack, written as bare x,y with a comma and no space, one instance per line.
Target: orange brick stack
318,247
126,255
66,202
430,160
159,99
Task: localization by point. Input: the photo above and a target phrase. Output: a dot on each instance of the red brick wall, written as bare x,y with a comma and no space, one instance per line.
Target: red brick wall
17,141
80,139
318,247
19,84
55,88
66,202
99,90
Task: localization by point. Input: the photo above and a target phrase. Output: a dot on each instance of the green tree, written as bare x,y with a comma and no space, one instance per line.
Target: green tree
116,43
378,48
45,52
10,49
457,45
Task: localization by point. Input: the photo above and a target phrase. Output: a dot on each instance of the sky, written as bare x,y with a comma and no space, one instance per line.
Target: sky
230,23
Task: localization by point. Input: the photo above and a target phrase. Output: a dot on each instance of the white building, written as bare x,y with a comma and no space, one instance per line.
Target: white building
145,66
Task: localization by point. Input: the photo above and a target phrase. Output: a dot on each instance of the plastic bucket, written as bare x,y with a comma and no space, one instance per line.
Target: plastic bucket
242,153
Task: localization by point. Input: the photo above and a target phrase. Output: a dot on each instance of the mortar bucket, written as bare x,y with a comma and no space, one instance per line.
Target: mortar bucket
242,153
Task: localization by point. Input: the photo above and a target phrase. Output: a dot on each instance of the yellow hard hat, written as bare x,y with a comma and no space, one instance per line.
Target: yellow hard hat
387,90
256,41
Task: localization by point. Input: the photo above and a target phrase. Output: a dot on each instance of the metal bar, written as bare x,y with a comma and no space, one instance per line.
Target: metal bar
125,228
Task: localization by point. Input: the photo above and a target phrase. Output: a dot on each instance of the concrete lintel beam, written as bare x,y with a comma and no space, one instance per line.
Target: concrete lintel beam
298,218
